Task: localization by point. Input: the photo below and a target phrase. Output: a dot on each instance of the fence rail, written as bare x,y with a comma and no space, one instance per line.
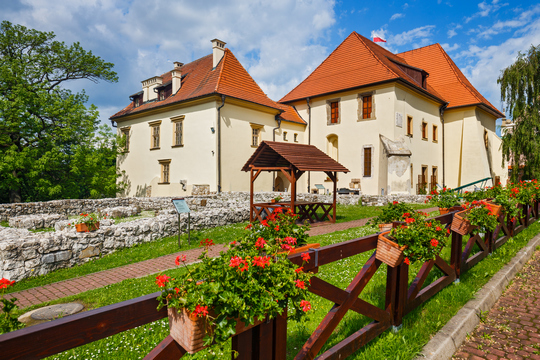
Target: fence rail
268,340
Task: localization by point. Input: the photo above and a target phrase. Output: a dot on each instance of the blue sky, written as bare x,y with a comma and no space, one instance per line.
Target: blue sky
280,41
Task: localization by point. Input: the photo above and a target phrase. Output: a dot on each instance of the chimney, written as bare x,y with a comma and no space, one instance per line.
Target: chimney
176,76
218,50
148,87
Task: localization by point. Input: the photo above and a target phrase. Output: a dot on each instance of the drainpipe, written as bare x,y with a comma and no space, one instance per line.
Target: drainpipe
219,142
441,112
309,143
274,139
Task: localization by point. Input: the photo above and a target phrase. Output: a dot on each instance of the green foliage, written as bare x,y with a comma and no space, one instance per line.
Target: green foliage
424,239
251,280
520,90
50,143
479,213
277,227
8,320
392,212
444,199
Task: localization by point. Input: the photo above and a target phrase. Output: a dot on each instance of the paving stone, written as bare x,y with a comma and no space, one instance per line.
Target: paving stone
56,311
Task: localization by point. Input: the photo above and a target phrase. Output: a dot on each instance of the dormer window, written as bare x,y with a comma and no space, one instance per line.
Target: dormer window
137,101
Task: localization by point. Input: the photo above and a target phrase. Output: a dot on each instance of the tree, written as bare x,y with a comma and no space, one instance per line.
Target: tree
520,90
45,129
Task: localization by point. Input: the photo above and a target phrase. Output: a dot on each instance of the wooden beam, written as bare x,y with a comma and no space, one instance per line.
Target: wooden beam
167,349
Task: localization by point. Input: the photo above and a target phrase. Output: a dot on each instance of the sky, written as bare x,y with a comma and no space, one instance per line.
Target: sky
279,42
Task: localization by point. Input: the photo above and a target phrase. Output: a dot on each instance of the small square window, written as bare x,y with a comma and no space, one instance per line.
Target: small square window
284,136
334,117
295,137
367,106
255,135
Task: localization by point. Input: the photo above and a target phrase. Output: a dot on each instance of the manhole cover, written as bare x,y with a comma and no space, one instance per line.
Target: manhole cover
56,311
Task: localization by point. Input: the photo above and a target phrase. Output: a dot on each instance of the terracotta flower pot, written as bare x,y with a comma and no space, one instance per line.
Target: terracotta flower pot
495,209
189,330
460,224
85,228
385,227
388,251
444,211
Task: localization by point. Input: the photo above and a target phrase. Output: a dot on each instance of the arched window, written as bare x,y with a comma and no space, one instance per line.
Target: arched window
332,146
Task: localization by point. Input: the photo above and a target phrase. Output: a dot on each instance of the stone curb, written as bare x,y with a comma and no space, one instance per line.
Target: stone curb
448,340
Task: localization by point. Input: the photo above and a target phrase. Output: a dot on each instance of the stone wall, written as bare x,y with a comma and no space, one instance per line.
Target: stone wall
381,200
195,203
24,254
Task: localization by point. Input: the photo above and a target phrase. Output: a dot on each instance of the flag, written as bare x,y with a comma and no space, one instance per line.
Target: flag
378,39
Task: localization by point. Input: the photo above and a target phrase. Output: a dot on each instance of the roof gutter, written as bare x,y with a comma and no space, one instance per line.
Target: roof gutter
309,143
219,142
441,114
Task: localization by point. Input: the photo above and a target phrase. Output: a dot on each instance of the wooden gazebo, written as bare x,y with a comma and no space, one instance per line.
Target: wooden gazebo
292,160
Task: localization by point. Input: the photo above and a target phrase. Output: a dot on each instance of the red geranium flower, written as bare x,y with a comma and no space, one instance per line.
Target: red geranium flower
179,259
409,220
434,242
5,283
235,261
305,305
406,261
261,261
260,243
300,284
305,256
161,280
300,269
201,311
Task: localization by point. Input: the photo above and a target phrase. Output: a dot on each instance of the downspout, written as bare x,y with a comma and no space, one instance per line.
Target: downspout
219,142
441,113
309,143
274,139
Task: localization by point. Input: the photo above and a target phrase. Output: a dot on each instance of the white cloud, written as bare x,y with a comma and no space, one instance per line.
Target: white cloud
448,48
486,62
451,33
418,37
277,41
486,9
397,16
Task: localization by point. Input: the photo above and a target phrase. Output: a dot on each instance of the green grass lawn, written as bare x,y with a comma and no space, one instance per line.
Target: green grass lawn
418,326
169,245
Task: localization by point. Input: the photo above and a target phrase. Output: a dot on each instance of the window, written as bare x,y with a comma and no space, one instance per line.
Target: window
137,101
332,112
154,134
367,161
366,106
409,125
162,95
255,135
295,137
284,136
424,131
165,171
433,181
412,178
178,131
435,133
125,133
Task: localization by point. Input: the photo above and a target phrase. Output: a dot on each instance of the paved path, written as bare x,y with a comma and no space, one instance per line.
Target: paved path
511,329
99,279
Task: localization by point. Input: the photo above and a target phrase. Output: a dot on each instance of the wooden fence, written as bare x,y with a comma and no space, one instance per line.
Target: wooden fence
268,340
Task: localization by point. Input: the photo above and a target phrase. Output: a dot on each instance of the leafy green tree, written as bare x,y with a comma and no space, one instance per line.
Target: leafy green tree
520,90
49,147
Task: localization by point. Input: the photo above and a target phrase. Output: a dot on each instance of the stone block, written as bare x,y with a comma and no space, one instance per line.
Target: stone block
89,252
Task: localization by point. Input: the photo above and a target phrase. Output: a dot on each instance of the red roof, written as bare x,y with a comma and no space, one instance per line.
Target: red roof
446,77
357,62
228,78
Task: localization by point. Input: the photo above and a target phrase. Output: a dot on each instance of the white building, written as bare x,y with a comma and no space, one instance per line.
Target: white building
399,122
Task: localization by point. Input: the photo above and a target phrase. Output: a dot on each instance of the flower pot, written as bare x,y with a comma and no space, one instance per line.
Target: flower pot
189,330
388,251
460,224
444,211
86,228
495,209
385,227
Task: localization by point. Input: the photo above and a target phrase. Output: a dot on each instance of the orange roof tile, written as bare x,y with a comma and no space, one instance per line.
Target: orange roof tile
228,78
446,78
356,62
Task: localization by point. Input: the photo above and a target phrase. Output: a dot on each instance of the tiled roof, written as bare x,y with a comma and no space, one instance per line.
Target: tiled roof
228,78
446,77
356,62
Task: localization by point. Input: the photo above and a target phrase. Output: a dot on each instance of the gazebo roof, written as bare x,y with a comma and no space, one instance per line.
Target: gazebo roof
303,157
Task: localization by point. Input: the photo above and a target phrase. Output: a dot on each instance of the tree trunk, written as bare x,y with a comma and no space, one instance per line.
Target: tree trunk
15,194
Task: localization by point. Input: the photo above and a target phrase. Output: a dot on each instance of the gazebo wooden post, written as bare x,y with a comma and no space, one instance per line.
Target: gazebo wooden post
335,194
251,193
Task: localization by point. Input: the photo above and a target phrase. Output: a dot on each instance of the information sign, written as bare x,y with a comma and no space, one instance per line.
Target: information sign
181,206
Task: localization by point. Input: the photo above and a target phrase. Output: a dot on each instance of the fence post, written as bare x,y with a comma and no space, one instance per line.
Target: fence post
402,277
457,248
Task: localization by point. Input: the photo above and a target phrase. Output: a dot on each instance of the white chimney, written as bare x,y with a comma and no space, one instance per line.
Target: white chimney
218,50
176,77
148,87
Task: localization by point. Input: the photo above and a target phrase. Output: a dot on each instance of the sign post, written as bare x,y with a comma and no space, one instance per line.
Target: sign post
181,207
